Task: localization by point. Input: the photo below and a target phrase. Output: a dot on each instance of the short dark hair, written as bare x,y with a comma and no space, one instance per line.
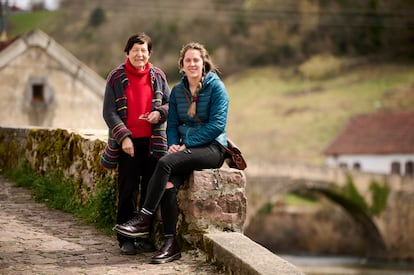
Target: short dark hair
139,38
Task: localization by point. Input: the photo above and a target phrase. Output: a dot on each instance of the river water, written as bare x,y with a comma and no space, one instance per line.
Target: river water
348,266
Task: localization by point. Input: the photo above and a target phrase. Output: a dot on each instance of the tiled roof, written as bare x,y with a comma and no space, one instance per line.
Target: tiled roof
378,133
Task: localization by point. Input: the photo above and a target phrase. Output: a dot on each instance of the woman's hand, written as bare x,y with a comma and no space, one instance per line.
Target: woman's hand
154,117
128,146
176,148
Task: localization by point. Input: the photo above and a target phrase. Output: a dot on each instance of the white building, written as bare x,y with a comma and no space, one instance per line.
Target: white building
378,143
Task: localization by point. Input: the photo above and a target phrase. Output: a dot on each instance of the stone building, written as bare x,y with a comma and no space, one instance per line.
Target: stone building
42,84
378,143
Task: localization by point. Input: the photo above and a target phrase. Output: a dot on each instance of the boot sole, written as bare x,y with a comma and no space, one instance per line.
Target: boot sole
129,252
129,234
166,260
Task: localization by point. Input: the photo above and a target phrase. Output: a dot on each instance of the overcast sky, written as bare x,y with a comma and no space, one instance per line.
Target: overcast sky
25,4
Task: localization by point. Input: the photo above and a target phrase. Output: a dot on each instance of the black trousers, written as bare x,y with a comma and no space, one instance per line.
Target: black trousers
134,174
176,168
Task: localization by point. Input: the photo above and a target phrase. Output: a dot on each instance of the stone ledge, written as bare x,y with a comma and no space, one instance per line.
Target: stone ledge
237,254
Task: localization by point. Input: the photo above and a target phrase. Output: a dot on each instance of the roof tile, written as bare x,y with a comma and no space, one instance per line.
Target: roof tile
378,133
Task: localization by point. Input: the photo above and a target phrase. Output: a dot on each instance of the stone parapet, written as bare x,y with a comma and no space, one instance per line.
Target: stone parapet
213,199
237,254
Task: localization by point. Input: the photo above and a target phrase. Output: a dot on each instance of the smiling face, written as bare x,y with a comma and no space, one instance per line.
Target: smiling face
139,55
193,64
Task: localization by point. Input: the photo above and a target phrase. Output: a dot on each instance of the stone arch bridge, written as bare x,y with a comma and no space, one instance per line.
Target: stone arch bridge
382,204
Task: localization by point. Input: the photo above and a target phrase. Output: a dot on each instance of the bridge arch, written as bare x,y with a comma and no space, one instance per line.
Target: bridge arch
375,244
274,187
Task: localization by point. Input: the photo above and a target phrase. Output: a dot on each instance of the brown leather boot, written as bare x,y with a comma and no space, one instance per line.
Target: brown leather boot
138,226
168,252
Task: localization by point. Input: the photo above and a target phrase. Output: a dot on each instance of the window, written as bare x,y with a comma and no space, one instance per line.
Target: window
343,165
409,169
357,166
395,168
38,93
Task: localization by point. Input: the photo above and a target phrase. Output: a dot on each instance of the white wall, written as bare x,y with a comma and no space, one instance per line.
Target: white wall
26,4
371,163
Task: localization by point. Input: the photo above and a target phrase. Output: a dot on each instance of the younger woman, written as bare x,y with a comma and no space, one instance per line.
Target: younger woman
196,127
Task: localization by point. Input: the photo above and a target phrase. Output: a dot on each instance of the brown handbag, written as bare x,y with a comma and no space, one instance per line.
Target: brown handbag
234,158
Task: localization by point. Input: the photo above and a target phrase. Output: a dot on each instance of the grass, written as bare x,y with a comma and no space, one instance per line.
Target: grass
295,200
20,23
58,192
289,199
275,115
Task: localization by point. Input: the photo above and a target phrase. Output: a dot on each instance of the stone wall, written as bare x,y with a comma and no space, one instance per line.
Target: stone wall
212,204
212,200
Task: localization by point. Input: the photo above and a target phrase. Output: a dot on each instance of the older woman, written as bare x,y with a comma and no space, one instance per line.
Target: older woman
135,109
196,134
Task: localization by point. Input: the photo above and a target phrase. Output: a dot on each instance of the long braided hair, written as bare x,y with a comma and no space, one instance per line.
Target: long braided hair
208,66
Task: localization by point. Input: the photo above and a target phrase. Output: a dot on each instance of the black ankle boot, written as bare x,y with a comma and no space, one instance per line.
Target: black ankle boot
168,252
138,226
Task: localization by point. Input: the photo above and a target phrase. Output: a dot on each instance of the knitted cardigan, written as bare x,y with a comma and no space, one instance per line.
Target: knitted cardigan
115,113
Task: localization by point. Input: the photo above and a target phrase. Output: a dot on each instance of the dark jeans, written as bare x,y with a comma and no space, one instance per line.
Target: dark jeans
134,174
177,167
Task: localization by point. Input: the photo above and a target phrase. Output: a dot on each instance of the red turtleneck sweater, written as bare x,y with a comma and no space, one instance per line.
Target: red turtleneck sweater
139,100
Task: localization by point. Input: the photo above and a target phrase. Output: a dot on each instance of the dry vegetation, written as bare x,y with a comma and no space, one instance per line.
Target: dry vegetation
239,34
276,116
296,71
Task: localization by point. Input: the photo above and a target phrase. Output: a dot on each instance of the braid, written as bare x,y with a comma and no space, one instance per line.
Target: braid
192,109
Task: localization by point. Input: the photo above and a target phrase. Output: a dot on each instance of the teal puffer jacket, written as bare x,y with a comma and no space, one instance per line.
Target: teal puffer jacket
212,109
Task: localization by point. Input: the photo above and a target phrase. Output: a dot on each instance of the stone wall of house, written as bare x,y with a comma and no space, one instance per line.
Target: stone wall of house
43,85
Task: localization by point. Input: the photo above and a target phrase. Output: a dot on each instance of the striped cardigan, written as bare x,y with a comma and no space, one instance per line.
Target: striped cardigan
115,113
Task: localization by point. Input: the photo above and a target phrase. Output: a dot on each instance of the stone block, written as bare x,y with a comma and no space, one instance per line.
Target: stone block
213,200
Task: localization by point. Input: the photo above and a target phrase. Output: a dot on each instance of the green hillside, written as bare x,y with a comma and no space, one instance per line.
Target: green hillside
277,116
286,112
20,23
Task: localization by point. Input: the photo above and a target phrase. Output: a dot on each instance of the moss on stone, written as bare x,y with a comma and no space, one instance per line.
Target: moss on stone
380,193
3,150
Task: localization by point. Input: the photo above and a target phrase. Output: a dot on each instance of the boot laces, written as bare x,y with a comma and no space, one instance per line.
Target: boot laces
136,219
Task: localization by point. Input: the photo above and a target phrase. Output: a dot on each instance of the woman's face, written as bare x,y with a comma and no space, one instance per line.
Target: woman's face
139,55
193,64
